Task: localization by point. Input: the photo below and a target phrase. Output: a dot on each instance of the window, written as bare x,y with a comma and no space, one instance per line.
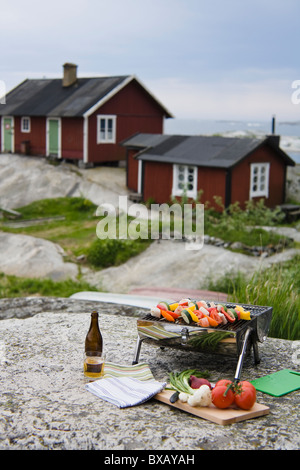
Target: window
184,180
25,124
259,180
106,129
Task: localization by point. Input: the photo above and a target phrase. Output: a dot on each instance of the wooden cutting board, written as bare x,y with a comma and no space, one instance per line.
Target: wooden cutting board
211,413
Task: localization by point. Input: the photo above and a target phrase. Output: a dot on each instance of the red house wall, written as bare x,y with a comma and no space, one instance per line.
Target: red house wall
36,136
158,181
136,112
240,180
212,181
132,171
72,138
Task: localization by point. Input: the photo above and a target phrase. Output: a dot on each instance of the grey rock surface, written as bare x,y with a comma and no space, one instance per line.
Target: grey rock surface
169,263
44,404
293,183
25,179
26,256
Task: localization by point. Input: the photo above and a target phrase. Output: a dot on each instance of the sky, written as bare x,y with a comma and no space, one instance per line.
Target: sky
215,59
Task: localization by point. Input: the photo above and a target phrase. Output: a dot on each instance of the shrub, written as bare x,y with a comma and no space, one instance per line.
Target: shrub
112,252
103,253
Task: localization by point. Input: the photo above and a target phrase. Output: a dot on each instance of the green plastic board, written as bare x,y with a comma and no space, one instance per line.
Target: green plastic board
279,383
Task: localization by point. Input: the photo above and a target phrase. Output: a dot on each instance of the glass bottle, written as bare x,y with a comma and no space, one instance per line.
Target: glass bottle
93,340
93,359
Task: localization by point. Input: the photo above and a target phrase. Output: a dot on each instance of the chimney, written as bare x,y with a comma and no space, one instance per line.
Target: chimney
273,138
273,124
70,74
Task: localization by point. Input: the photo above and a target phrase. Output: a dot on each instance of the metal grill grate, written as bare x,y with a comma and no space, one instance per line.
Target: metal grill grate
255,311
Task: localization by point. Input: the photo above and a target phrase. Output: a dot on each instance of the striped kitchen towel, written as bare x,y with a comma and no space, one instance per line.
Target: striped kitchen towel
126,386
139,371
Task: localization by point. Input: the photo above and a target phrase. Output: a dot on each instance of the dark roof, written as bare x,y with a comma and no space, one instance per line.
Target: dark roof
47,97
210,151
142,141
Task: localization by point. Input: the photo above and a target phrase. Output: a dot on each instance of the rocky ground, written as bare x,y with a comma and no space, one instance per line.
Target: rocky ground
165,263
44,405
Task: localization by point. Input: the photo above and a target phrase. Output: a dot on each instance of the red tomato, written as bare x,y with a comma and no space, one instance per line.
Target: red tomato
245,395
198,313
246,398
245,384
222,397
214,314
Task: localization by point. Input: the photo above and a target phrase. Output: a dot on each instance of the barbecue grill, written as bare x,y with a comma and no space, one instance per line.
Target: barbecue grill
232,339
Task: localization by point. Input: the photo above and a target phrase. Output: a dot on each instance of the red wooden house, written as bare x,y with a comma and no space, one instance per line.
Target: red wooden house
80,119
160,167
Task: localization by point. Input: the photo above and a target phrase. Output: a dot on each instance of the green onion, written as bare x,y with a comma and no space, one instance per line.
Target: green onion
179,381
209,341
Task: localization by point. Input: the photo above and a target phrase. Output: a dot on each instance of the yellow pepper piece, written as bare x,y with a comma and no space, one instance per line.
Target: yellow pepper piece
191,308
193,315
240,308
245,315
173,306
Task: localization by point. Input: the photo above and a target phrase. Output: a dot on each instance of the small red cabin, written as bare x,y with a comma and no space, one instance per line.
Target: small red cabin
81,119
163,167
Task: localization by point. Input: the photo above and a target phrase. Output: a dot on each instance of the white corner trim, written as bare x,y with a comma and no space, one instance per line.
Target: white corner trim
108,96
140,175
85,139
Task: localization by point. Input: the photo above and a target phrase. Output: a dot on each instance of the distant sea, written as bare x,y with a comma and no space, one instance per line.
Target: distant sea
289,131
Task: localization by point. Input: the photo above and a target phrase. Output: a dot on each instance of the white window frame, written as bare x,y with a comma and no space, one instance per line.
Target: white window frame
24,128
259,171
106,139
184,170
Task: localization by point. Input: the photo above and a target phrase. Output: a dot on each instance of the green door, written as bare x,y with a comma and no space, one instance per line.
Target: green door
53,137
8,134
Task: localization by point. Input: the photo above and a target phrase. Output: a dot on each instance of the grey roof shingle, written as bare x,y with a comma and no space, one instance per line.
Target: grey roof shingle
210,151
47,97
142,141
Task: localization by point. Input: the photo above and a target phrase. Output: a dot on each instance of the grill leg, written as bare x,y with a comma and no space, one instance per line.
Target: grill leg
256,352
241,356
137,351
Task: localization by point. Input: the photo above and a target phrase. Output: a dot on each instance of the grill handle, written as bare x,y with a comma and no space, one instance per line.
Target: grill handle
242,355
184,336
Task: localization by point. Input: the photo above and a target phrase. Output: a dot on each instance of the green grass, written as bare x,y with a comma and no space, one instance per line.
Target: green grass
76,234
72,208
13,286
278,287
